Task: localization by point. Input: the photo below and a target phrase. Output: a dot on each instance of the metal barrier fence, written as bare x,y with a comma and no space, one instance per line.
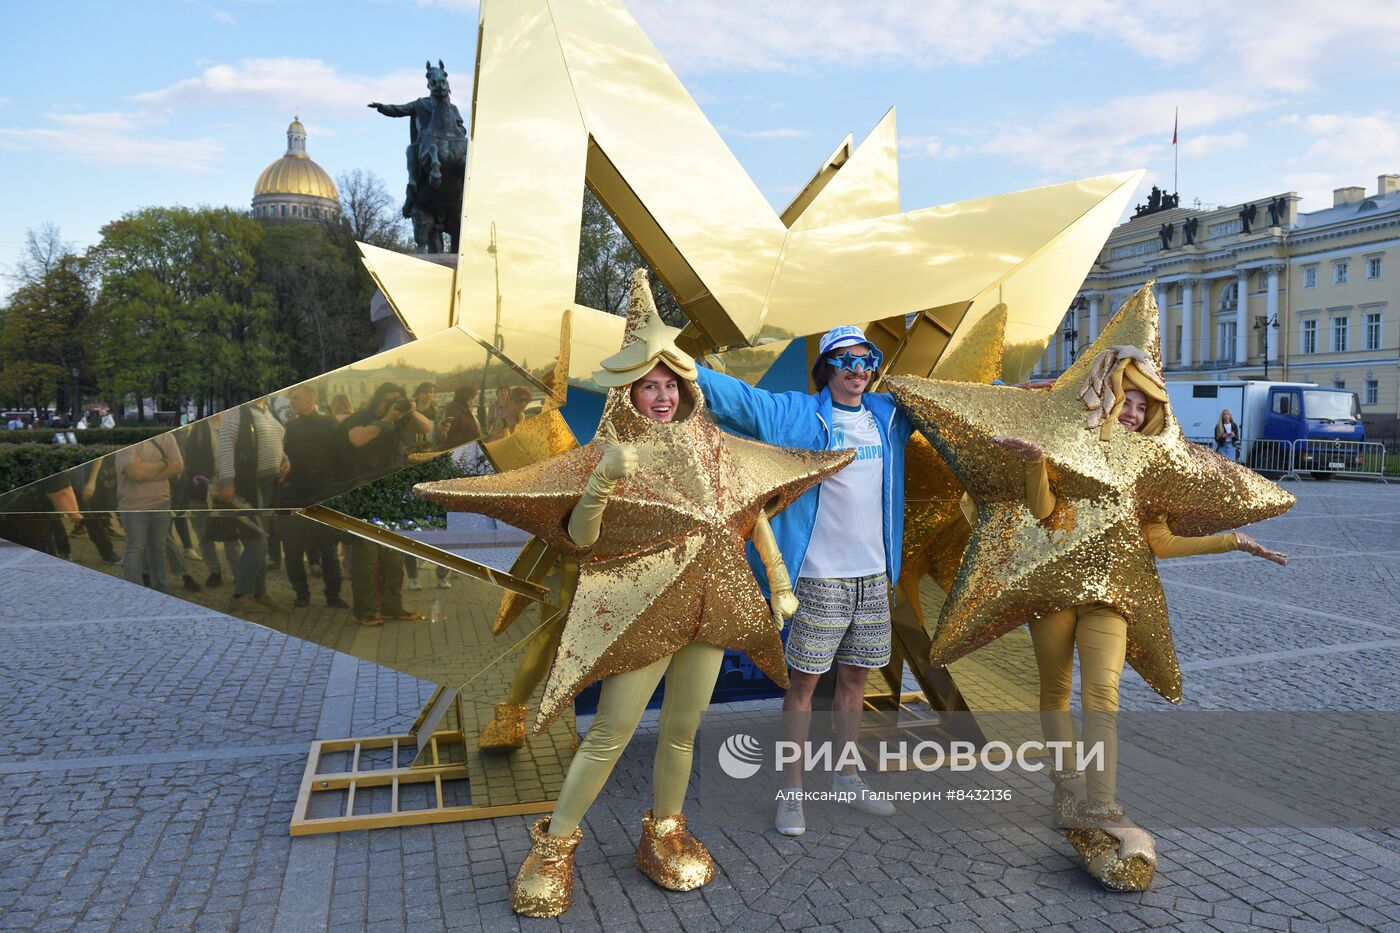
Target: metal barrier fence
1325,459
1320,459
1266,457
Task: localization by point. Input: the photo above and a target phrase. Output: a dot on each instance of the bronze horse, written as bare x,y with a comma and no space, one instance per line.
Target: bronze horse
437,162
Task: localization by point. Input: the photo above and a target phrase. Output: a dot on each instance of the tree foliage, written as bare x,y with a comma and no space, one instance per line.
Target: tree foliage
371,212
320,293
606,260
181,313
45,341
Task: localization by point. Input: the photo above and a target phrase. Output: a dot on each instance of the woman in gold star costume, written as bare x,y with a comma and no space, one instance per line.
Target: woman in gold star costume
663,587
1123,392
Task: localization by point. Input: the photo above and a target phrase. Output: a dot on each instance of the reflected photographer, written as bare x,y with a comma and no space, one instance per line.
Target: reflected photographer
377,435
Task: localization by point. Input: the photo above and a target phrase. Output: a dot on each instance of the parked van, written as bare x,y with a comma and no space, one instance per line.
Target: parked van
1276,411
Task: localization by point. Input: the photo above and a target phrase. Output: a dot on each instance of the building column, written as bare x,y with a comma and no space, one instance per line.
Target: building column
1159,294
1242,319
1271,313
1188,299
1093,319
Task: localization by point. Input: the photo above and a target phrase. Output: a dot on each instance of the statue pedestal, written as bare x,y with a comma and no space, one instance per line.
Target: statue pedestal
386,323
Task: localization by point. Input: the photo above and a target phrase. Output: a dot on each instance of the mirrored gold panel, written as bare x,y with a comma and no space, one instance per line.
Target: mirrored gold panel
325,436
572,92
335,575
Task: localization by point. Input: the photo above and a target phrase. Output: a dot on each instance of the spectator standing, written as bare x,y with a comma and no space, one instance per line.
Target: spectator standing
314,449
249,460
377,434
144,472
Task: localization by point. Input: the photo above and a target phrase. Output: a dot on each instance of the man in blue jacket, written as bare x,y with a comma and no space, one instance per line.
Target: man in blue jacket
841,540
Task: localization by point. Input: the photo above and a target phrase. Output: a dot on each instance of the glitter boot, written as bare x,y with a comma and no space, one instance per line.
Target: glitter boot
544,886
1117,854
506,730
669,855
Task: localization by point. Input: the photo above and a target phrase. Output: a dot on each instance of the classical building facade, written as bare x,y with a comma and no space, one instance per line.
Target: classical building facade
1309,297
294,187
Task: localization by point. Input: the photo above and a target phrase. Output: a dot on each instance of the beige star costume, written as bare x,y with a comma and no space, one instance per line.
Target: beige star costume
1078,562
657,514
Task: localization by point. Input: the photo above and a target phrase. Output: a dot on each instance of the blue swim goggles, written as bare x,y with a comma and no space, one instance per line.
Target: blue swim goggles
848,360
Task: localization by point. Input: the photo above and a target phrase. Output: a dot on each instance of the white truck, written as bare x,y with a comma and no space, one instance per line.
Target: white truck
1285,412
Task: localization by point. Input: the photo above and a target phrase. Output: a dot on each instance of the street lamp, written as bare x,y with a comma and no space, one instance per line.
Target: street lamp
1071,332
1263,324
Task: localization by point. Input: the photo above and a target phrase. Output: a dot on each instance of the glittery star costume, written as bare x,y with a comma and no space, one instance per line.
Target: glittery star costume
668,568
662,590
1079,565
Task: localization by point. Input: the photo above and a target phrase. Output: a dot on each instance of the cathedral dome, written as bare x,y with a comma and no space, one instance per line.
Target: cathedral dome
294,186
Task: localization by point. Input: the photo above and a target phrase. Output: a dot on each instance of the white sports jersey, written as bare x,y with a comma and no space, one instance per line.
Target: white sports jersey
848,539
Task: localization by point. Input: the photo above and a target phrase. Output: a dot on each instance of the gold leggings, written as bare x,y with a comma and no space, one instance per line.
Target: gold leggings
1102,638
690,680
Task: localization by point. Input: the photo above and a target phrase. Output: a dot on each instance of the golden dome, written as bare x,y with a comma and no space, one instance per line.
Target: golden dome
295,173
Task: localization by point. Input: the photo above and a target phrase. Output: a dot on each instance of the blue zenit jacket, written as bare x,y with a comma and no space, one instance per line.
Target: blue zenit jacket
797,419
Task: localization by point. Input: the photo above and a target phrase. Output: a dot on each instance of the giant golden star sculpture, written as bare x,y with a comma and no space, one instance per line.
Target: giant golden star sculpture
668,568
1091,549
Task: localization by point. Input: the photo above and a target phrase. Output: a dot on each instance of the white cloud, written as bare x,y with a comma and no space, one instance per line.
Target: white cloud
1341,149
928,147
223,16
1125,131
783,132
114,138
1209,145
1280,47
1350,140
307,85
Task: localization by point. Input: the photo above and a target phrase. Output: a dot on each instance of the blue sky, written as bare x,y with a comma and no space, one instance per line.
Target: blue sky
106,108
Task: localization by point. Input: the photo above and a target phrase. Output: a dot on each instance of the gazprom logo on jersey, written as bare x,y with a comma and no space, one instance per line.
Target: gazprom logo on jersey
870,452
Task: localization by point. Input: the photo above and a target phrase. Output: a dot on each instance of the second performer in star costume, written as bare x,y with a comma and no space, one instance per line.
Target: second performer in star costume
657,507
1078,490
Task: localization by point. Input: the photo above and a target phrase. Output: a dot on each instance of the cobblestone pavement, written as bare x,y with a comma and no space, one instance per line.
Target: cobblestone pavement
152,751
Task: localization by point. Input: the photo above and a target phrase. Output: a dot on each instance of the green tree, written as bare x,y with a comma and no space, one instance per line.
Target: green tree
46,337
181,313
320,293
371,212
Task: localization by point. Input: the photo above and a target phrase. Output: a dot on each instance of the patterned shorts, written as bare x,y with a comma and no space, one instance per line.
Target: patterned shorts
845,620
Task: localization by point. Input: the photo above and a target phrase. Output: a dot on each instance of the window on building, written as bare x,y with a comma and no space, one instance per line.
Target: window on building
1310,276
1339,273
1225,341
1308,336
1339,335
1372,394
1373,330
1339,383
1373,267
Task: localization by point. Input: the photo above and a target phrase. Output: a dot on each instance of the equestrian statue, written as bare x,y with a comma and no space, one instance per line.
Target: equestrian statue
437,162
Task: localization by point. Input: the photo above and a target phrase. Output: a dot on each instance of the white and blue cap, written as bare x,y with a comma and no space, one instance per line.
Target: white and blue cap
847,335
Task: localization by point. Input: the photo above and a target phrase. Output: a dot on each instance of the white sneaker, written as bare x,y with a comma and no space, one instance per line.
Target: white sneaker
412,583
864,798
192,554
445,583
790,820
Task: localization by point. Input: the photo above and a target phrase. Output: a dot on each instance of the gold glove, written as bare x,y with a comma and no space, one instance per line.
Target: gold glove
619,462
779,586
